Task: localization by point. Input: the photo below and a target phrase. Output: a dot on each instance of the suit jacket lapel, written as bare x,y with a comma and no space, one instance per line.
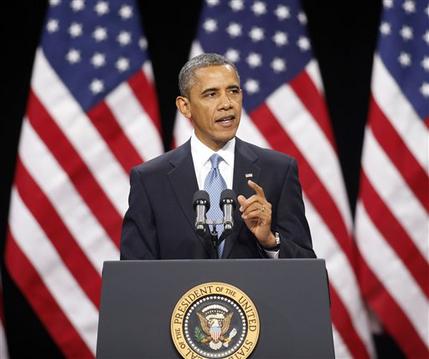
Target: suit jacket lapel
184,182
244,164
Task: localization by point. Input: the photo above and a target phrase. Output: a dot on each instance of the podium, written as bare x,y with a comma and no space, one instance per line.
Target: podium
143,303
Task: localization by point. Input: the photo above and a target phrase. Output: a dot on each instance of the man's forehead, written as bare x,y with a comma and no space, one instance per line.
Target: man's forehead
216,76
216,70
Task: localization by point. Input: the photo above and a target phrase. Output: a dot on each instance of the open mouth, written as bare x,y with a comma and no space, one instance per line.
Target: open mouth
227,120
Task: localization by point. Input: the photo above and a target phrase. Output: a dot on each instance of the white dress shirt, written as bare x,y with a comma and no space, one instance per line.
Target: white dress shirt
201,157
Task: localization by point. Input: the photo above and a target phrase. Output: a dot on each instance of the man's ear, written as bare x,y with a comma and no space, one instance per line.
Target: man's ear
183,105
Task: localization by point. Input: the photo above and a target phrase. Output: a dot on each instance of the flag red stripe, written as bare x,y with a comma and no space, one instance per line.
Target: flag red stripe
392,316
395,235
105,122
343,322
145,93
313,101
313,186
42,302
47,217
77,170
394,147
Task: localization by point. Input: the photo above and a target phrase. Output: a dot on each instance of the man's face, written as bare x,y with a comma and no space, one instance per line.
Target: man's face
214,105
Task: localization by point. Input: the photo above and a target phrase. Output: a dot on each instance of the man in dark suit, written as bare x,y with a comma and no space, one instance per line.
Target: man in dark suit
270,219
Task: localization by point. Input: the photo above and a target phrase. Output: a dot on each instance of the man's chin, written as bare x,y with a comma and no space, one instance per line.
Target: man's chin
224,139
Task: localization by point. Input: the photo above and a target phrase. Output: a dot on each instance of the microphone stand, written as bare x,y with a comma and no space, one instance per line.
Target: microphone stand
214,234
215,240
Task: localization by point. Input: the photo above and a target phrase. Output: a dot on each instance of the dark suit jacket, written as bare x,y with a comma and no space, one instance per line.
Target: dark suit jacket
159,223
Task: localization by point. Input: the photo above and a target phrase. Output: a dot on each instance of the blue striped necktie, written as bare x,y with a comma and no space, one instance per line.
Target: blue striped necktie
214,184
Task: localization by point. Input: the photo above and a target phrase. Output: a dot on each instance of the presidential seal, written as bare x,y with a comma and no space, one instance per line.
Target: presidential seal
215,320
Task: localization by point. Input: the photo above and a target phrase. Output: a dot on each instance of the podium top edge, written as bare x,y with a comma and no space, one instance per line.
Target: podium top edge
238,260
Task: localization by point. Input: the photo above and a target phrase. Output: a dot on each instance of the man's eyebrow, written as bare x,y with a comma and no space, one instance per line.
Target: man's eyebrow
211,89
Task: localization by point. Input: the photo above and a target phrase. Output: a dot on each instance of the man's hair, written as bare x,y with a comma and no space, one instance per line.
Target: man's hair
187,73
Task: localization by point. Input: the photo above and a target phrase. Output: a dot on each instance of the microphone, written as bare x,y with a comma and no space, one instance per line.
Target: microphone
201,204
228,204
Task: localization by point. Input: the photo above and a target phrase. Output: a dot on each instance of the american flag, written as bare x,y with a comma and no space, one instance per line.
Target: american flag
285,110
392,211
91,115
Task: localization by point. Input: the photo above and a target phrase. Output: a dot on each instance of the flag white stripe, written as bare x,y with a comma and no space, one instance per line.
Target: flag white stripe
341,275
390,271
341,350
75,214
247,131
61,284
312,143
196,49
148,71
135,122
3,344
79,130
400,113
182,129
313,71
395,193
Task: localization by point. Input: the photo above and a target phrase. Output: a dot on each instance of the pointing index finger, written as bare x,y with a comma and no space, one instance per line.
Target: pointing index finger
258,189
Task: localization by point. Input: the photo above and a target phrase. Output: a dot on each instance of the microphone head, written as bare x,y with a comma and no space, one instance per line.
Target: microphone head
201,197
228,197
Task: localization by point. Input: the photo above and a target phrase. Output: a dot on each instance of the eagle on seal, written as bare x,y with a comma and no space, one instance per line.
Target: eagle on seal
215,329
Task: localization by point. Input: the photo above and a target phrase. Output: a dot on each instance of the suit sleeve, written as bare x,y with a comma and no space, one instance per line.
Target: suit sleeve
138,239
290,220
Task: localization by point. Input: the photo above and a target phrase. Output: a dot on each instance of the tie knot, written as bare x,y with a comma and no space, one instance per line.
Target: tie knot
215,159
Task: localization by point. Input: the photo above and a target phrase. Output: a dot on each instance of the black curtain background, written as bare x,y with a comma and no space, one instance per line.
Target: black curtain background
343,36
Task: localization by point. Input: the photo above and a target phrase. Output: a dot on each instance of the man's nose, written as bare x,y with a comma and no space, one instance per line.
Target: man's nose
225,102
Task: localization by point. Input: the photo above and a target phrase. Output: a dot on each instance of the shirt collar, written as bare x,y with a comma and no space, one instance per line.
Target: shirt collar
201,153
